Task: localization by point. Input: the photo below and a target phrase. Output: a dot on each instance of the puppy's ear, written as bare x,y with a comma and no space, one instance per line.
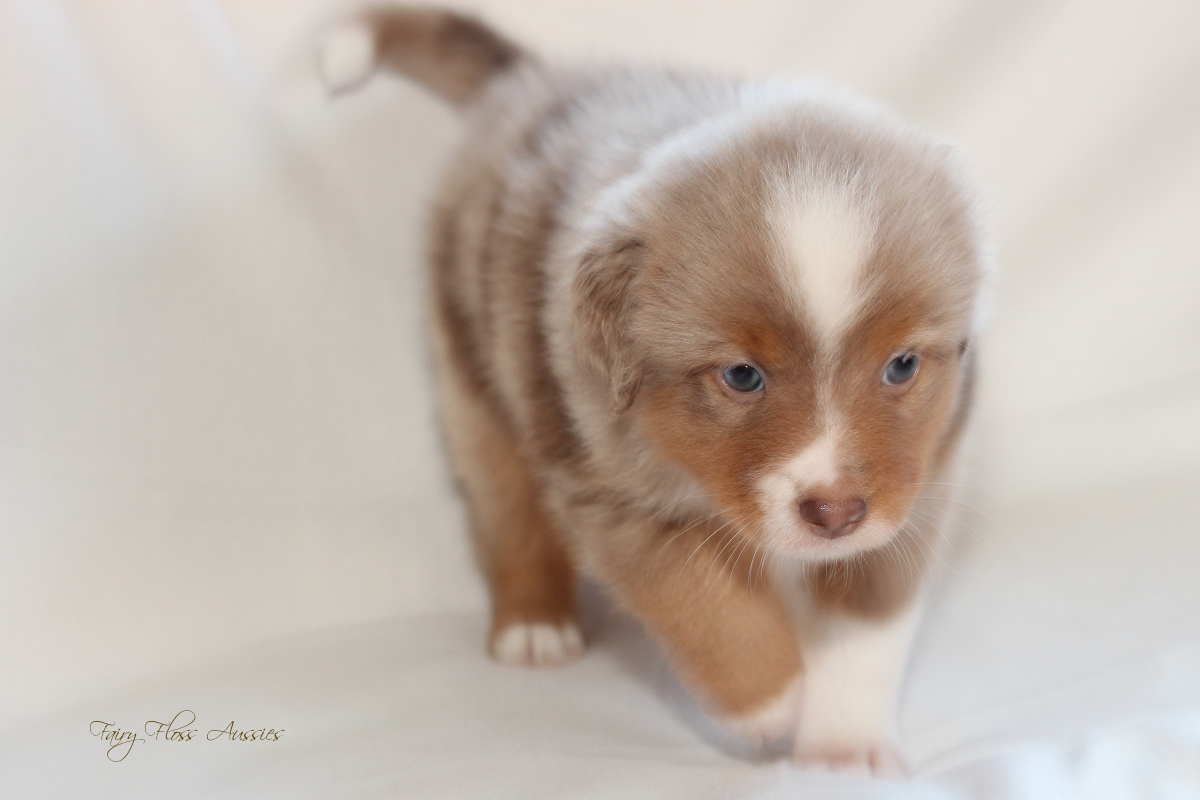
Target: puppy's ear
604,306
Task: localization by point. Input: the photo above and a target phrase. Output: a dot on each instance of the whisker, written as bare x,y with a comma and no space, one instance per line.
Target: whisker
675,504
681,532
750,571
716,558
689,558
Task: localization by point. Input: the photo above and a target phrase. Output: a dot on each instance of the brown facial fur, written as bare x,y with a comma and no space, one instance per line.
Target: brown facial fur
710,226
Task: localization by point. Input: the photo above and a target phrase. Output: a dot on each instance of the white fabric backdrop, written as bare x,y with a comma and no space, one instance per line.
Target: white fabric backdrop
216,425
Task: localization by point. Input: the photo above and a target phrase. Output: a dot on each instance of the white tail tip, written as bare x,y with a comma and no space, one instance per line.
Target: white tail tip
346,56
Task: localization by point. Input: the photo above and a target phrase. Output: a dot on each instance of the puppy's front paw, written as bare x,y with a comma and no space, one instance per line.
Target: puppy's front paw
881,758
850,691
537,644
772,721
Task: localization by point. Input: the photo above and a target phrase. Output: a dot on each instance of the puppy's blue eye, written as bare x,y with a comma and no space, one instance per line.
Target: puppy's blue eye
743,378
900,369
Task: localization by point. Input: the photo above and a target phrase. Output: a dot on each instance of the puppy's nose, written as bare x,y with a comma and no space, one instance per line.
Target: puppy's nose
833,518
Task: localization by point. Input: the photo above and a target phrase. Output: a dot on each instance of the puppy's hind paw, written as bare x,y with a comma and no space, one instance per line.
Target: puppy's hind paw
537,644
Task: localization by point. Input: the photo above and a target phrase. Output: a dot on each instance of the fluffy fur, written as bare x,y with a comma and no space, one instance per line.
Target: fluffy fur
606,244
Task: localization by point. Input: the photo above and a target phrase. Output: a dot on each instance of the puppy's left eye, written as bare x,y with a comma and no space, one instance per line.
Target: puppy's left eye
901,369
742,378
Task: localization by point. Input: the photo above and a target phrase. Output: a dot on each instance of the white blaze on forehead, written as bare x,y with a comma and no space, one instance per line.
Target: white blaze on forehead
816,465
826,236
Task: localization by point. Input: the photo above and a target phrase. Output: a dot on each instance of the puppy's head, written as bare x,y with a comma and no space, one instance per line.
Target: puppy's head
786,316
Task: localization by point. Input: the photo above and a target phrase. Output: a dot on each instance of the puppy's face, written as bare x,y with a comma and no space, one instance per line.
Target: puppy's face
800,332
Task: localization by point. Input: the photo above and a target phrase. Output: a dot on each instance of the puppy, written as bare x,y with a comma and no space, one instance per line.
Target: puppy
708,342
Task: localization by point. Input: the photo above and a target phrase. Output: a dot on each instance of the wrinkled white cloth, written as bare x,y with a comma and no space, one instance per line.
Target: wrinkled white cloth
222,489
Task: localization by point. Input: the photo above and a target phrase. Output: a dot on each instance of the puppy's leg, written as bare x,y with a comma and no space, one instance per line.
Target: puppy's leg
722,623
857,642
521,550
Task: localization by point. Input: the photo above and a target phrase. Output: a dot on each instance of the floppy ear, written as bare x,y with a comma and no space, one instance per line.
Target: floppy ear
603,296
966,396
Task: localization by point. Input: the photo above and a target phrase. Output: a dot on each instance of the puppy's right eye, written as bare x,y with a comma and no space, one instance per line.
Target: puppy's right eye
743,378
901,369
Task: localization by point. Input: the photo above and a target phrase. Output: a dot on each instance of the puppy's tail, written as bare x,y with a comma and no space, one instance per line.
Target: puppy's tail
453,55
